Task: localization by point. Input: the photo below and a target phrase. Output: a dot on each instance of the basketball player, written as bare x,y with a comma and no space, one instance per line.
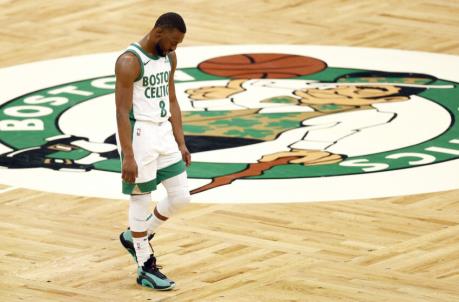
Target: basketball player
151,138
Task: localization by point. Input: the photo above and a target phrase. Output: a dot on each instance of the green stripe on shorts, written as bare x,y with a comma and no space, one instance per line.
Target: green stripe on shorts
170,171
149,186
139,188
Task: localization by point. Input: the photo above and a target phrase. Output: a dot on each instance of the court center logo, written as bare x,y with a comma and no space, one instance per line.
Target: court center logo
262,126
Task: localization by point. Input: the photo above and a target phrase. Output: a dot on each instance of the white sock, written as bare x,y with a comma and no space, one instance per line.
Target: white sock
142,249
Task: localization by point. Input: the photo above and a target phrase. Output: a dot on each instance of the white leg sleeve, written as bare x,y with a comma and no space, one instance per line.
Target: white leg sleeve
138,212
178,195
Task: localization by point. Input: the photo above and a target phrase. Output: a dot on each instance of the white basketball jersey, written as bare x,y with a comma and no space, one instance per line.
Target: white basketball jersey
150,101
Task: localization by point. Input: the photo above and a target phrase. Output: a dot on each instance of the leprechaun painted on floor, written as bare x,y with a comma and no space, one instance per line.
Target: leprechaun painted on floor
309,122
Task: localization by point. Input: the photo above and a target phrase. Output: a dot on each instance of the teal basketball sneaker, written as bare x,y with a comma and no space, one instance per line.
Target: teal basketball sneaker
149,276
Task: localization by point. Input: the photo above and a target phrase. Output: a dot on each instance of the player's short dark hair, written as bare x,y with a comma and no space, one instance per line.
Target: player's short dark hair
171,20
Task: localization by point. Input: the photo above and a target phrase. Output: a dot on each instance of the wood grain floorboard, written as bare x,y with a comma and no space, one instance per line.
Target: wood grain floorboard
65,248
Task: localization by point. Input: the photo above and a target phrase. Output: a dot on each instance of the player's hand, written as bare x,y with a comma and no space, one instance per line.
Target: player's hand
129,170
216,92
305,157
186,156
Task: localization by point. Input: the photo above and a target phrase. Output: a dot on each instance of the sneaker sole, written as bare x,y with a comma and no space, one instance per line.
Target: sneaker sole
149,284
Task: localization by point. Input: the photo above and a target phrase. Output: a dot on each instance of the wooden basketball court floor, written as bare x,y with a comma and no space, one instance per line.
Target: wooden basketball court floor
65,248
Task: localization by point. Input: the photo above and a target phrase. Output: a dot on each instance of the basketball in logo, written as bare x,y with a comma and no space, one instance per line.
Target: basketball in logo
262,65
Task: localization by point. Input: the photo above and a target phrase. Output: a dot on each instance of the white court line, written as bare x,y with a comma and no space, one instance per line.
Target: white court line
8,189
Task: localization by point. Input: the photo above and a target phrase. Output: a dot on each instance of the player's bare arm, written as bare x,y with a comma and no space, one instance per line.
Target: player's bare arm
127,69
176,114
